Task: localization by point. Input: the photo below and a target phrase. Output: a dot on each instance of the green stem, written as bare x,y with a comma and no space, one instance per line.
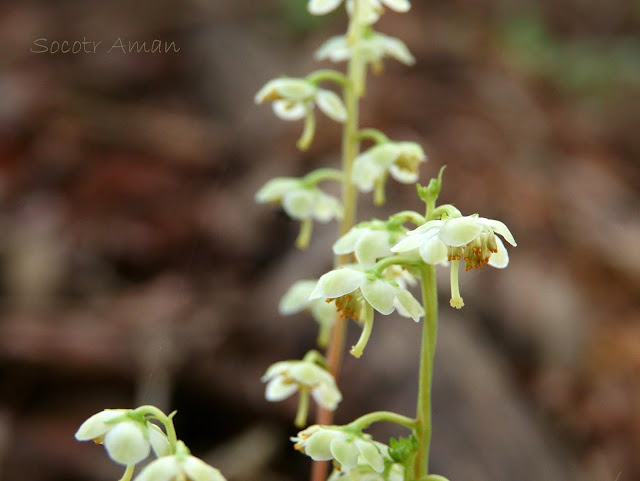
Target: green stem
315,357
329,75
409,216
373,134
382,264
318,175
167,422
128,473
427,352
367,420
303,408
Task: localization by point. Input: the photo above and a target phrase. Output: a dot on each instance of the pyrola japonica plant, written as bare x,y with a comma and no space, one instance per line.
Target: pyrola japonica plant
375,264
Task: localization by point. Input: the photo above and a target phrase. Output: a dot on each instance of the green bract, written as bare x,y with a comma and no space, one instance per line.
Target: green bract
286,377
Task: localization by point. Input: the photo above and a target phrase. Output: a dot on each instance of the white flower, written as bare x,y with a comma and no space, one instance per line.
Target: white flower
400,159
353,289
286,377
179,467
127,441
364,472
369,10
471,238
322,443
294,98
371,48
300,201
368,244
296,300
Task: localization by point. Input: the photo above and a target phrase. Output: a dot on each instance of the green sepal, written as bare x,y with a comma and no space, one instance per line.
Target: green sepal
402,449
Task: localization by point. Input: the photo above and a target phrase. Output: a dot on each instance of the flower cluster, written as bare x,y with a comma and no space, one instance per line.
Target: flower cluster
180,466
350,449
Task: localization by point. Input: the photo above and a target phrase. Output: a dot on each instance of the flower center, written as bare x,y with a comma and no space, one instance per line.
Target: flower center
477,252
351,305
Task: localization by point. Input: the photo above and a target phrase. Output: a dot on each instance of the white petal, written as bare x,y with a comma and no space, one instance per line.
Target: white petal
409,303
295,89
344,452
499,259
197,470
427,226
159,441
279,390
347,243
403,176
433,250
162,469
380,295
327,395
323,312
331,104
96,425
365,172
318,445
371,454
299,203
296,298
126,443
337,283
396,473
409,243
326,207
384,154
397,49
274,189
368,13
322,7
308,373
289,110
398,5
459,231
276,369
371,246
335,49
500,228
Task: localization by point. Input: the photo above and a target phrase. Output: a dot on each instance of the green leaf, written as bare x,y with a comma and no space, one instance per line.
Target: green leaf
402,448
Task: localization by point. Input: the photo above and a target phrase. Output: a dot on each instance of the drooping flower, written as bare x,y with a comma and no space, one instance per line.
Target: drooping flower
299,200
181,466
286,377
368,241
354,289
127,440
372,48
400,159
369,10
471,238
364,472
296,300
294,98
323,443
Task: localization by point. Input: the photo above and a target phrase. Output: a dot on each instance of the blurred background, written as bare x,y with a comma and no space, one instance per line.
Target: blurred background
135,267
